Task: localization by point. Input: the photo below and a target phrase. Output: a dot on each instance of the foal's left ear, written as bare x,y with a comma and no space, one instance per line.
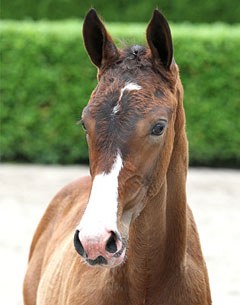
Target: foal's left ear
159,39
100,47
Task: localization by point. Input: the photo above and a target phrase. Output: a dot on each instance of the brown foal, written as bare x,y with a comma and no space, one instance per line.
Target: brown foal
124,235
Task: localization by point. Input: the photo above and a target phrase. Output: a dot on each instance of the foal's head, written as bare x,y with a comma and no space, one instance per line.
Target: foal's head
130,124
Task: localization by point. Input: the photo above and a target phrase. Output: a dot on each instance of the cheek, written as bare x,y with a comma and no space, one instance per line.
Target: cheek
91,157
132,205
94,156
131,192
146,157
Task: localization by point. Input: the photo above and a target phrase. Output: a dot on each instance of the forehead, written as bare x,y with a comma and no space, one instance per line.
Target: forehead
133,67
127,92
116,111
128,98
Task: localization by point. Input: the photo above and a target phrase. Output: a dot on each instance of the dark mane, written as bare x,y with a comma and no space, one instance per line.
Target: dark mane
135,60
134,52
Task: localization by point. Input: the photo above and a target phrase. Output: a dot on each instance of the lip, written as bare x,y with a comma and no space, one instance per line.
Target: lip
110,262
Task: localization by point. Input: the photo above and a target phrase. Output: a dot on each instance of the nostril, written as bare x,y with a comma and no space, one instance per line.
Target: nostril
111,245
77,244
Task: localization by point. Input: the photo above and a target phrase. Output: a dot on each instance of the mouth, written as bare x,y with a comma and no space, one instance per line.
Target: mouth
114,261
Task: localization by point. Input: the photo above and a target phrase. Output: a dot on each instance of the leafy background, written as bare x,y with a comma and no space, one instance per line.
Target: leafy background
46,78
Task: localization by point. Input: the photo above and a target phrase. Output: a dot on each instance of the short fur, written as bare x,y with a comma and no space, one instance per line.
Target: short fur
164,264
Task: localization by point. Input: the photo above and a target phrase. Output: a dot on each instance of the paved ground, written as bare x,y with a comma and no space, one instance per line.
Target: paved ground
214,196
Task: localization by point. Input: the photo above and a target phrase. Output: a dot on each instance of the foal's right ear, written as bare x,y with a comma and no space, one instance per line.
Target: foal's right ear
99,44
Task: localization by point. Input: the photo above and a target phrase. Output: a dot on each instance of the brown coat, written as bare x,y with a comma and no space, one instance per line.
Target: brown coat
163,264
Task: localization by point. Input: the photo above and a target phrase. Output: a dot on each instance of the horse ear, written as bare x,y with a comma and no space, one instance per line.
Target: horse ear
98,43
159,39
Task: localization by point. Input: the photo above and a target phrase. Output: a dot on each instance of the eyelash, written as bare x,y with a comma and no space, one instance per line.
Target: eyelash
80,122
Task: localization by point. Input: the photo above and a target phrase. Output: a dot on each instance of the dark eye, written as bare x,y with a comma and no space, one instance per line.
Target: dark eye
83,125
158,129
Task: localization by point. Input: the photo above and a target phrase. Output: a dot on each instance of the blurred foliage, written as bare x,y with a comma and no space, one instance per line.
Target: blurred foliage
124,10
47,78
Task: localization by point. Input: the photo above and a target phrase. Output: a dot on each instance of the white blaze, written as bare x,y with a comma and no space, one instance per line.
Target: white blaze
101,211
127,87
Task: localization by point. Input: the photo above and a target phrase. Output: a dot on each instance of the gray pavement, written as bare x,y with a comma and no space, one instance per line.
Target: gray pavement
214,196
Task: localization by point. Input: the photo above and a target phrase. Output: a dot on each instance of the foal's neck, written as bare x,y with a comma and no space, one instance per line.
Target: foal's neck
149,228
150,239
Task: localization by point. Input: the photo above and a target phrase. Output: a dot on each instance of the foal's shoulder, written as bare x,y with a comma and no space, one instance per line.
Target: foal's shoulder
79,187
73,195
77,190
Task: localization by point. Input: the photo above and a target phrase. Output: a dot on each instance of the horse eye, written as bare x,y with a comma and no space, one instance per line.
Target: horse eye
158,129
83,125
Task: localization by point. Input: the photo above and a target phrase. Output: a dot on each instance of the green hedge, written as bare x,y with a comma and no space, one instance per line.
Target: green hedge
46,79
124,10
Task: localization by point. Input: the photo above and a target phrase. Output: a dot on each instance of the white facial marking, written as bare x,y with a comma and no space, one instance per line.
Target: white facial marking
131,86
127,87
116,108
101,211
